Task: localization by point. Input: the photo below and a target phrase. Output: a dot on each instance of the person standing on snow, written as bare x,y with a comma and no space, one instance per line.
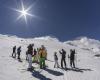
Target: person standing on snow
30,53
72,58
35,59
42,57
56,60
14,52
63,58
18,52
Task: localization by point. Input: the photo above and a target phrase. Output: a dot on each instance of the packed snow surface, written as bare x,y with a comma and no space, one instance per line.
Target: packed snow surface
87,63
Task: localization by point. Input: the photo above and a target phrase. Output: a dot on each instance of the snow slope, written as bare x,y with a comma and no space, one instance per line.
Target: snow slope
86,61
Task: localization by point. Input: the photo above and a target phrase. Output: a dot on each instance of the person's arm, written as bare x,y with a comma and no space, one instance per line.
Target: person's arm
60,52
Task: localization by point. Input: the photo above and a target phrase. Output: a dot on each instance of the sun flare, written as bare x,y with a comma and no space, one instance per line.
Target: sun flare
24,12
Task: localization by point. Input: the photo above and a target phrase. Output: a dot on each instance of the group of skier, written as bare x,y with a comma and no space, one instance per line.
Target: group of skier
39,56
71,57
18,52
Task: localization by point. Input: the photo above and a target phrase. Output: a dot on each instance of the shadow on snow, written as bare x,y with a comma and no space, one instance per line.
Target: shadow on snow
78,70
39,76
56,73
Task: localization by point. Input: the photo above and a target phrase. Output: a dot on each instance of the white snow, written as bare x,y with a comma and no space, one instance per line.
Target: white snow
86,61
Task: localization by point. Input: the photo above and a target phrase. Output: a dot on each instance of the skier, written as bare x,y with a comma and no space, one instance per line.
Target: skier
18,52
35,59
42,56
56,60
63,58
30,53
72,58
14,52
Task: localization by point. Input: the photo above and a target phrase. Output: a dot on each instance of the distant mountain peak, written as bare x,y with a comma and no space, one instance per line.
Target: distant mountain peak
50,38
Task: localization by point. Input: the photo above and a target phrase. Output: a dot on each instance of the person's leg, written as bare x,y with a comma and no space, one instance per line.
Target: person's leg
57,64
40,63
15,54
43,62
12,54
30,67
65,63
73,64
30,61
26,57
62,63
19,55
54,65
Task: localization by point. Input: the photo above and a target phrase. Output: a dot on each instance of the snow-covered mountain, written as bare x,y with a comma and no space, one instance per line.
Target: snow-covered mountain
86,43
86,59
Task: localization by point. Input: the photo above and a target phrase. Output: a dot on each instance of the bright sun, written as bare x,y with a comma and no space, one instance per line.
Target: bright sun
24,12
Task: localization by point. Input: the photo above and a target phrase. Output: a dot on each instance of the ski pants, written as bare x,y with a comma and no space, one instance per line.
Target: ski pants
42,62
14,54
63,61
56,63
30,61
18,55
72,63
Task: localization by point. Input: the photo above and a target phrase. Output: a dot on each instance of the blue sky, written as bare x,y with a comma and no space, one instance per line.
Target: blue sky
64,19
